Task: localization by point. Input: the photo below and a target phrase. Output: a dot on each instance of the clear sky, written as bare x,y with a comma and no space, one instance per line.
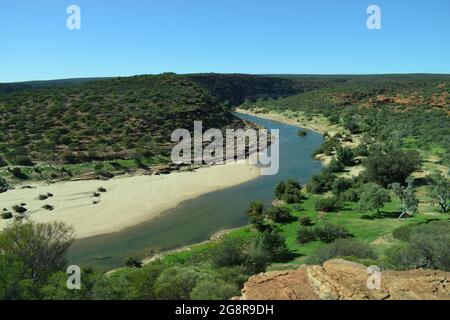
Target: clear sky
127,37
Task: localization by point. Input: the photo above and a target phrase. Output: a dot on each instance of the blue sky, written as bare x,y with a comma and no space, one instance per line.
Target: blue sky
128,37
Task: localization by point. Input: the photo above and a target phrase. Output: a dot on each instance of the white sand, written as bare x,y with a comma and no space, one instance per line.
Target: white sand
128,200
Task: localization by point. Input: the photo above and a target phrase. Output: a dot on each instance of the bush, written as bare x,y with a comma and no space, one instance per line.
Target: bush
335,166
2,162
305,235
279,214
340,185
273,243
176,283
3,185
23,161
289,191
342,248
214,289
227,254
427,247
43,197
280,189
329,232
320,182
305,221
6,215
48,207
350,195
16,172
256,209
328,204
19,209
345,155
404,232
133,262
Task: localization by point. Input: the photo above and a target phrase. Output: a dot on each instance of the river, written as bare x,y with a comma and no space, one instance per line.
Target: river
197,219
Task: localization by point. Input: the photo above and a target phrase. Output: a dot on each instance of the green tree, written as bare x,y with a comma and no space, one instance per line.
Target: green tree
40,248
440,191
407,196
396,165
372,197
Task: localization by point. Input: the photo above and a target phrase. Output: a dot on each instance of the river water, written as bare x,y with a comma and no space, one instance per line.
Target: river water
197,219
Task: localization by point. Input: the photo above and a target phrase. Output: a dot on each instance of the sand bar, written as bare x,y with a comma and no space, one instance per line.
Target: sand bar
129,200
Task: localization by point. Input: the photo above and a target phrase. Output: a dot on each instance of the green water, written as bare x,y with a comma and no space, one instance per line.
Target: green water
197,219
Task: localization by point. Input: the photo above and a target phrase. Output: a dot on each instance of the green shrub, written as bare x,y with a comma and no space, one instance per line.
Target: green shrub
227,254
305,221
395,165
340,185
133,262
214,289
335,166
6,215
328,204
404,232
329,232
176,283
342,248
428,246
320,182
305,235
23,161
345,155
279,214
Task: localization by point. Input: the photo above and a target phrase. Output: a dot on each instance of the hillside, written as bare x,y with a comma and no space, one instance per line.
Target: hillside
121,118
412,108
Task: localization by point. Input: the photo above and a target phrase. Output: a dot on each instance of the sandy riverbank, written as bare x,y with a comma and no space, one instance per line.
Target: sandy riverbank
129,200
316,124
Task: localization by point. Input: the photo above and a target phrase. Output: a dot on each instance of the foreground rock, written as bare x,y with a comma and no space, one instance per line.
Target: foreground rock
344,280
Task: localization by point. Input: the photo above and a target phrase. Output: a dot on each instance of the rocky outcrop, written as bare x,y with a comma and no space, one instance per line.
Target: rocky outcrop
344,280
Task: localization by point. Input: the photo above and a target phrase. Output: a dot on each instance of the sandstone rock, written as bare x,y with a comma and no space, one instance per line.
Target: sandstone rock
344,280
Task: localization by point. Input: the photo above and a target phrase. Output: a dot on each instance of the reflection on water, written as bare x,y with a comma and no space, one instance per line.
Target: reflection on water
197,219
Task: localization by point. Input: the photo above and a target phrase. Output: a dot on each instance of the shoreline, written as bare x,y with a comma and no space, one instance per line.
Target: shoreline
128,200
278,116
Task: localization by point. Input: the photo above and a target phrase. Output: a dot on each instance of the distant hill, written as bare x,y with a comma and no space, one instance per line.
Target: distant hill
32,85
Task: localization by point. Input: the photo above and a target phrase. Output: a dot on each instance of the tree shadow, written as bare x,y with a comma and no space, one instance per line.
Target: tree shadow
384,215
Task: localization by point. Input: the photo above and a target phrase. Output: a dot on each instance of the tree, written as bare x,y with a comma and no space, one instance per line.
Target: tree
345,155
373,197
410,203
280,189
40,248
227,254
440,191
279,214
256,209
335,166
273,243
395,165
